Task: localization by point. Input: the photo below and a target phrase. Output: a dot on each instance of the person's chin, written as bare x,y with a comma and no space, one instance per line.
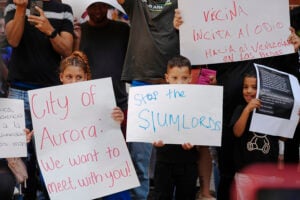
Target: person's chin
248,99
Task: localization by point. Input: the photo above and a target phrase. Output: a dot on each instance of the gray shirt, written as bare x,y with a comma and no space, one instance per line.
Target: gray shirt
153,39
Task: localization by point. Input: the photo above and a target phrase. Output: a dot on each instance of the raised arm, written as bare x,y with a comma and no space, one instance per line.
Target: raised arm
15,27
61,42
240,125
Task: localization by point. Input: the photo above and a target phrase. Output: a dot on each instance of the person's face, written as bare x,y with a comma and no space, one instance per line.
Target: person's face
97,12
72,74
178,75
249,88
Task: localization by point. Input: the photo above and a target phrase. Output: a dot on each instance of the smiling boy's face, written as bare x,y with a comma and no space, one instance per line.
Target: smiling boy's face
178,75
249,88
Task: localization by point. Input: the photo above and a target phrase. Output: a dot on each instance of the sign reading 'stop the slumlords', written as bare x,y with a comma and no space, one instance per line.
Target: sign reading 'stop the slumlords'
175,114
81,151
218,31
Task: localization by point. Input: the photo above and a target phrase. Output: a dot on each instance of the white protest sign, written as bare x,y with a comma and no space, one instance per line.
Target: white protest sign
79,6
12,125
218,31
80,149
175,114
280,103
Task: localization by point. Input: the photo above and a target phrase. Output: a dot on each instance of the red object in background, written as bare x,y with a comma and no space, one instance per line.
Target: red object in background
294,2
270,182
195,75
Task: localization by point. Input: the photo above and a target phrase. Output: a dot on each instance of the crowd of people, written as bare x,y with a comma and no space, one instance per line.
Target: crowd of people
52,48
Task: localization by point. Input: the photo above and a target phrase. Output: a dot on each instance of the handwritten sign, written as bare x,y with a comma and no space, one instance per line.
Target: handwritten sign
175,114
12,125
81,150
280,103
218,31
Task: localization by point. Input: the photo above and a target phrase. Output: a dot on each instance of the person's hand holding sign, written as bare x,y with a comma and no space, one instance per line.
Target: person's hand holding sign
187,146
29,134
118,115
294,39
177,21
158,143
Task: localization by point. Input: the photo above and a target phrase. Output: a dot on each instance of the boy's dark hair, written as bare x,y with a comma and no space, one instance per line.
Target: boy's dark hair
179,61
250,73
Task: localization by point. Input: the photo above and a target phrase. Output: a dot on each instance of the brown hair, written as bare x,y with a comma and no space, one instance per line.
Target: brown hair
79,59
179,61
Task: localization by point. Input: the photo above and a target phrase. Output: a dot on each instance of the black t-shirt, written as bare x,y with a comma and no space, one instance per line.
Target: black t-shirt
174,153
230,76
253,147
34,60
106,48
153,39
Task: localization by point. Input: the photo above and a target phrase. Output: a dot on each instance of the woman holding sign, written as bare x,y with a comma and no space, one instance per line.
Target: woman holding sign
75,68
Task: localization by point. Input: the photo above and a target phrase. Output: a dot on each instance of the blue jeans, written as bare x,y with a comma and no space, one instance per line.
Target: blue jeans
140,154
23,95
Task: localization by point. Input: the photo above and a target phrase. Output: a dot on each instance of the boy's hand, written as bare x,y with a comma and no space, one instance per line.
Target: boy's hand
254,103
187,146
158,143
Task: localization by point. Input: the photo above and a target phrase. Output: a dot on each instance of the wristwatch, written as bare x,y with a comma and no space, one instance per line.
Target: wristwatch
53,34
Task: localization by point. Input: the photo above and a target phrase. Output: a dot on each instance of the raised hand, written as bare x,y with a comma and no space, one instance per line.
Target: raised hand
41,22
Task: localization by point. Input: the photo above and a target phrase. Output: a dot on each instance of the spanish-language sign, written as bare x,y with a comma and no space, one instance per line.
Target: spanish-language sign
218,31
12,125
280,103
175,114
80,149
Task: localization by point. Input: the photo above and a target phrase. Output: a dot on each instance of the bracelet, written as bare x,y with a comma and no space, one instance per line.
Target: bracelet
53,34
